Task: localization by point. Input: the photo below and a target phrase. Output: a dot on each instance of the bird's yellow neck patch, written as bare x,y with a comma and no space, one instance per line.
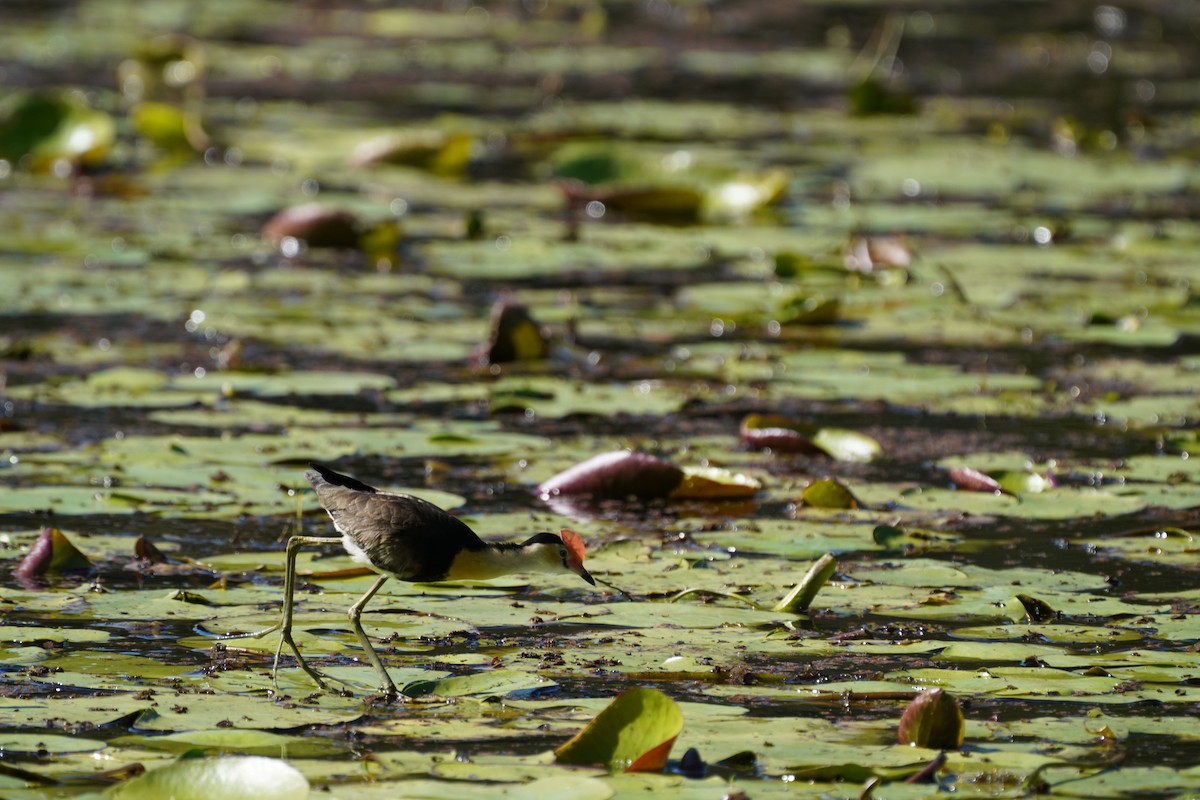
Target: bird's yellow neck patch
481,565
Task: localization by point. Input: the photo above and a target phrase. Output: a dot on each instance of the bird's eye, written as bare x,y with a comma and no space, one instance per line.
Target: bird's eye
562,553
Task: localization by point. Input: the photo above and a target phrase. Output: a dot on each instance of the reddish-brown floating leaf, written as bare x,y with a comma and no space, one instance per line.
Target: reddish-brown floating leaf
145,550
972,480
316,224
828,493
933,719
776,433
619,474
52,552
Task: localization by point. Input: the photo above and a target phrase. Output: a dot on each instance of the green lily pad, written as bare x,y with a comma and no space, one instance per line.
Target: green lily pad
233,777
634,733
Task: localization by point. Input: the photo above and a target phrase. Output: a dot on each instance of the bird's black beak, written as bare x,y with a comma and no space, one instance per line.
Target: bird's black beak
583,573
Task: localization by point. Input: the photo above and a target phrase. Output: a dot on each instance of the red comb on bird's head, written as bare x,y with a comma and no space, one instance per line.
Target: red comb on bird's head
574,544
575,553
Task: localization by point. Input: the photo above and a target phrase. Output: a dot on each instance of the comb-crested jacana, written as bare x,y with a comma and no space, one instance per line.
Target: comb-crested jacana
410,539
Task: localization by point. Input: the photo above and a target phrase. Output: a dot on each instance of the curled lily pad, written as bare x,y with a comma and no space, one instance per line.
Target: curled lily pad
1013,482
801,596
52,552
933,719
145,550
632,734
1036,610
1019,482
740,196
847,445
316,224
828,493
972,480
432,150
618,474
714,483
776,433
653,203
515,336
783,435
660,187
169,127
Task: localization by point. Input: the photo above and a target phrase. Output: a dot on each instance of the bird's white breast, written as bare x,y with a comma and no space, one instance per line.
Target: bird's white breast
357,554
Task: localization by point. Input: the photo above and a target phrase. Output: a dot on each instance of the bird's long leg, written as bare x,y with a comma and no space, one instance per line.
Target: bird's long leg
284,625
385,686
285,620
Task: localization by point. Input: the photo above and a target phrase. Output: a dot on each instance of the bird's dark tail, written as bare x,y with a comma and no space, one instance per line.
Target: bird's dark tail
324,473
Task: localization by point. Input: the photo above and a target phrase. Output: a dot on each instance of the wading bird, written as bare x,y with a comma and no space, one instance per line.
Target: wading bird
410,539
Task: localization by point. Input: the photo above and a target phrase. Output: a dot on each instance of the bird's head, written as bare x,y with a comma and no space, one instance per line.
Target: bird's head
561,552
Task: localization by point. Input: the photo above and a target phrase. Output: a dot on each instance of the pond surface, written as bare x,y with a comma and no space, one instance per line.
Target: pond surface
945,254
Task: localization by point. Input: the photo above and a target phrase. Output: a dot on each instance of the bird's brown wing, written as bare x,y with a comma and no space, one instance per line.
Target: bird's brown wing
403,536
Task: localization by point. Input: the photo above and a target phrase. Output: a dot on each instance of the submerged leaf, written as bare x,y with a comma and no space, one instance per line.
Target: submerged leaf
634,733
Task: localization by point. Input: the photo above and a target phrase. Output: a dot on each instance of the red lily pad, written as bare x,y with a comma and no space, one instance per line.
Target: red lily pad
618,474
